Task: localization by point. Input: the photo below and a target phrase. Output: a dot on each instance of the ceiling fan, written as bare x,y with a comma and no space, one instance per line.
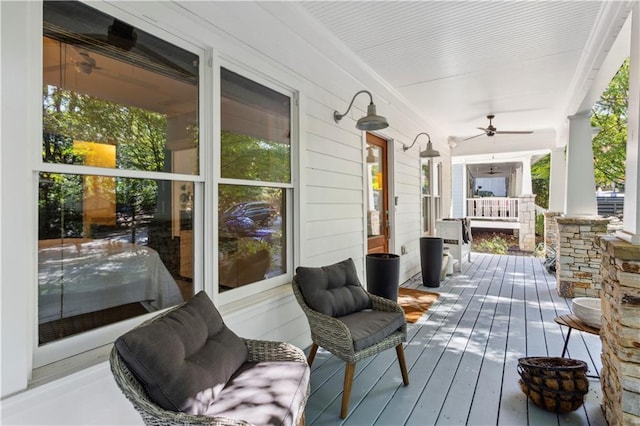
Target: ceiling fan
85,64
492,171
491,130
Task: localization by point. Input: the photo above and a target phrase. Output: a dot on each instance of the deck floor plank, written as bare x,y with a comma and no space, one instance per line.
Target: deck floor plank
462,355
513,403
457,404
433,396
435,328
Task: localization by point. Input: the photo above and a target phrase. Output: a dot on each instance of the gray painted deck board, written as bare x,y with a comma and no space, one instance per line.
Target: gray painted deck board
462,355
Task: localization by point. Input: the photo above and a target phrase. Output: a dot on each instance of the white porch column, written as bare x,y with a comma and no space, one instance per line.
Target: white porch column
557,180
631,222
580,200
526,187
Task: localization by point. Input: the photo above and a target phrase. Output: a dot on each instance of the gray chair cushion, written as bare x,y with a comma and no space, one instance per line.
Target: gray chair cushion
263,393
370,327
184,354
333,290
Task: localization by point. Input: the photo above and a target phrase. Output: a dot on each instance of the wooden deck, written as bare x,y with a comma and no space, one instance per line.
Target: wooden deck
462,355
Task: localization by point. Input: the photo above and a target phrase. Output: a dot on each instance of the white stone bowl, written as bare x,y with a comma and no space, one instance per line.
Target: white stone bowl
588,309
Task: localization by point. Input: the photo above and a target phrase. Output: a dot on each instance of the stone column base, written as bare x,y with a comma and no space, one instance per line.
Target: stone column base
578,258
620,331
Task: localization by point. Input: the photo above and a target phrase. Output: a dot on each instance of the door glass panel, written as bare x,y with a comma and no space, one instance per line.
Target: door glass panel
375,200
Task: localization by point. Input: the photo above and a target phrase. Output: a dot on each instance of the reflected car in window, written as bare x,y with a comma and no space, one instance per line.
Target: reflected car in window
260,212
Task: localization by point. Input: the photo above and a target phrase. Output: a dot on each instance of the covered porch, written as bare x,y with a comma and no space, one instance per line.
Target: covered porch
462,355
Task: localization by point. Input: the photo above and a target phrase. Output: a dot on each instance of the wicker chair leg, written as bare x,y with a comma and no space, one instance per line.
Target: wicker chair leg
312,354
403,364
346,391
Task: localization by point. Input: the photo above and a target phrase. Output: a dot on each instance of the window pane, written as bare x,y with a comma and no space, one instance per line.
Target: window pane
252,240
426,178
427,214
115,96
256,131
109,249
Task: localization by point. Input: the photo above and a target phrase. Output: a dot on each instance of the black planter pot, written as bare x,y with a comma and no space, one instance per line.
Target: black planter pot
431,260
383,275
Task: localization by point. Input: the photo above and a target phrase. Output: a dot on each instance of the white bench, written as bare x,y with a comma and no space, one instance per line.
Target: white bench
451,231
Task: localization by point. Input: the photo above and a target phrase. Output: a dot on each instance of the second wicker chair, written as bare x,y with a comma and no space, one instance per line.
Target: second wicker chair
356,335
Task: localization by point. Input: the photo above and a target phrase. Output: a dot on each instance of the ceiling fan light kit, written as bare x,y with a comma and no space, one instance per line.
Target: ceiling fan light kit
491,130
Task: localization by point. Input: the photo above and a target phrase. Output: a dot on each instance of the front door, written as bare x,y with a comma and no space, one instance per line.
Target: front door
377,195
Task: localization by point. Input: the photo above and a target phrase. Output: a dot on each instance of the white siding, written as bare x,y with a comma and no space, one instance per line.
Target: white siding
275,41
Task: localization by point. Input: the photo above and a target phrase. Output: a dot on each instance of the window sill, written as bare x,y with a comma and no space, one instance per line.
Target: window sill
65,367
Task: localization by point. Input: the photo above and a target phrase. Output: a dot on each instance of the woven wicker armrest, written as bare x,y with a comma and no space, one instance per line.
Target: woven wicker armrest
382,304
265,350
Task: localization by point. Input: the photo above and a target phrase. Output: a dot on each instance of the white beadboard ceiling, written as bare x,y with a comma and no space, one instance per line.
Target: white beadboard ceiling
455,62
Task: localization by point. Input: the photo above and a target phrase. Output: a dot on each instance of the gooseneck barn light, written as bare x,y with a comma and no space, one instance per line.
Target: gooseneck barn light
371,121
427,153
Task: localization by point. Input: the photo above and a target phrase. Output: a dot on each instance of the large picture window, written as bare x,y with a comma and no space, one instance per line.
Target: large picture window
117,181
255,169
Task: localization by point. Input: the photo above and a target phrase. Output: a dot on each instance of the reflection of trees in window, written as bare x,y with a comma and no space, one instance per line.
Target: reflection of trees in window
60,206
139,135
245,157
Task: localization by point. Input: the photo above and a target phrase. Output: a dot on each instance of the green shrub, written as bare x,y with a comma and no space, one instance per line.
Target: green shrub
540,225
495,245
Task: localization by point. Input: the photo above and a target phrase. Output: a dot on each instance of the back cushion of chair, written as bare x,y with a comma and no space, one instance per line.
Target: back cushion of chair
333,290
185,358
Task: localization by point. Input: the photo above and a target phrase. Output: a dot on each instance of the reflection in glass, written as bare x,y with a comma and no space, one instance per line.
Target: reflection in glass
251,235
106,251
115,96
256,131
425,177
375,192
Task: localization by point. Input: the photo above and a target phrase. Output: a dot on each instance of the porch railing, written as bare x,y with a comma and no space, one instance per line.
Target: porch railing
493,208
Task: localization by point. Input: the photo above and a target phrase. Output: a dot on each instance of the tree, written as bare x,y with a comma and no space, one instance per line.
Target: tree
610,145
540,172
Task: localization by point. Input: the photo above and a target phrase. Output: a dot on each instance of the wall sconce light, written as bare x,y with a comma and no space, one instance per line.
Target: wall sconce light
371,121
427,153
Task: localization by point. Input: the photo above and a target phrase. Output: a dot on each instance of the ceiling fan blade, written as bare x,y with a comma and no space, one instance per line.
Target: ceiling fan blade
471,137
483,129
514,132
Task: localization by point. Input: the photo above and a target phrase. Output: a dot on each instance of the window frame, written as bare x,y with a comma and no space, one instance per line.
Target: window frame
54,354
254,290
431,211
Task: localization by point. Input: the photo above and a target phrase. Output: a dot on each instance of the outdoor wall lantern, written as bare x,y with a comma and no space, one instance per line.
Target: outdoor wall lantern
427,153
371,121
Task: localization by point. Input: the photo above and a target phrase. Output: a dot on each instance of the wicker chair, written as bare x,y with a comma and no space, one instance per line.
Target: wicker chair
152,414
334,336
